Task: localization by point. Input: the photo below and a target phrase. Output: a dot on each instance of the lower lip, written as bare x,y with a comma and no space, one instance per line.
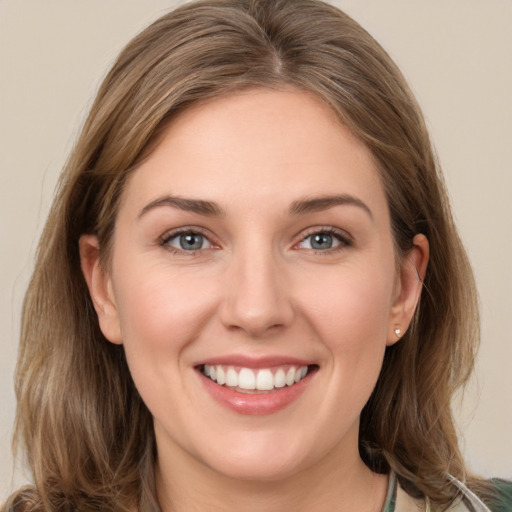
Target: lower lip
256,404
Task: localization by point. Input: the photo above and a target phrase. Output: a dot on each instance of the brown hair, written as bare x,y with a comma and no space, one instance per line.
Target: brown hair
86,433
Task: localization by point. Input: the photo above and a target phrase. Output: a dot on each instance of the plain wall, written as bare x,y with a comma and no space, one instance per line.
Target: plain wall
456,55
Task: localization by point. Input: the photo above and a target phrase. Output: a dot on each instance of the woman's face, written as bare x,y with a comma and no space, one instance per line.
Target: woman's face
254,245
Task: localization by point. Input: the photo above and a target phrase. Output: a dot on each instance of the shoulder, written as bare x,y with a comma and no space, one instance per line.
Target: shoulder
504,495
400,501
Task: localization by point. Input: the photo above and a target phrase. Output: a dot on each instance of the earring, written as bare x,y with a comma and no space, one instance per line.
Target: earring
398,333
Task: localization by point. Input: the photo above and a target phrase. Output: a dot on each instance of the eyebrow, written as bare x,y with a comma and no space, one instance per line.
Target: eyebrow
198,206
211,209
318,204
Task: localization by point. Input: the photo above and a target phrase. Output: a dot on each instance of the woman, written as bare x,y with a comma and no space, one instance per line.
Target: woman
225,310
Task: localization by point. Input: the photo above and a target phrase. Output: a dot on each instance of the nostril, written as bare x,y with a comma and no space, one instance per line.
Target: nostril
256,300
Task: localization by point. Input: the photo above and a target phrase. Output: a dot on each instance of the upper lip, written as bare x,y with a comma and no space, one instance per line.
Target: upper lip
245,361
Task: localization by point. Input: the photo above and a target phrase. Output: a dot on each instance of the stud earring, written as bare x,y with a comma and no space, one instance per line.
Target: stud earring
398,333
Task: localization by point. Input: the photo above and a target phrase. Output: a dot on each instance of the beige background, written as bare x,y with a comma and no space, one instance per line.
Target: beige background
457,56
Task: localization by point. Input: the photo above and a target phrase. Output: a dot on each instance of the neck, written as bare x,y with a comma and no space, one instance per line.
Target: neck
333,485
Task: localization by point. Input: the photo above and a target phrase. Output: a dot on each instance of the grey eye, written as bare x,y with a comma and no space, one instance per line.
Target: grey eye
321,241
189,242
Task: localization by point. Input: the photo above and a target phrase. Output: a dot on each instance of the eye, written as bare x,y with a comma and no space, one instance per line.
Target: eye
188,241
324,240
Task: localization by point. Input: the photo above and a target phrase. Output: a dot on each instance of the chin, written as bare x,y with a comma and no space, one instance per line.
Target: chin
262,458
260,470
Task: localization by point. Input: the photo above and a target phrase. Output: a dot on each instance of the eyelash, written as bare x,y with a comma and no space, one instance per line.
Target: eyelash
344,239
165,240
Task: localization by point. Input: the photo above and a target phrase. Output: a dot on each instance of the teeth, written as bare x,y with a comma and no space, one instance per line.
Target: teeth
248,379
221,376
265,380
231,378
280,378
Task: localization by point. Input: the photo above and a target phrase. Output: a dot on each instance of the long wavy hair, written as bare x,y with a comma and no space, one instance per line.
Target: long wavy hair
85,432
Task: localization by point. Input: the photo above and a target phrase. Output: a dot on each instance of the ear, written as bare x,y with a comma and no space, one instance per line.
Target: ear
408,287
100,287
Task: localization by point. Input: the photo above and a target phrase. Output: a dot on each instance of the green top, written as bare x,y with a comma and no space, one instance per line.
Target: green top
389,504
503,499
504,490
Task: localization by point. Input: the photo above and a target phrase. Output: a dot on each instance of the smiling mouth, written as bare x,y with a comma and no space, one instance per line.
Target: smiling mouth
256,381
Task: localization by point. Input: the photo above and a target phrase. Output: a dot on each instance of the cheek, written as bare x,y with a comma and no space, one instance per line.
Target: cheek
161,312
351,316
351,307
161,307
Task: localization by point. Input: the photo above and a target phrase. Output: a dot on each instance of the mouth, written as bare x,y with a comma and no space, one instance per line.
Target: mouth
256,389
256,380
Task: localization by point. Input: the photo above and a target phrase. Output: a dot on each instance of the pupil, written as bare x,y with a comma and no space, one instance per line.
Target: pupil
191,241
321,241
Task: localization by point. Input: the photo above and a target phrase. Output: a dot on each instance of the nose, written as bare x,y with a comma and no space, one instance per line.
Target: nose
257,300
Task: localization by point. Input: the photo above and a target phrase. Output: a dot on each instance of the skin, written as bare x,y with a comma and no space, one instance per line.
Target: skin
257,287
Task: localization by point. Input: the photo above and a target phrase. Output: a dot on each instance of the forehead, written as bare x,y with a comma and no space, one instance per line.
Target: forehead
256,146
